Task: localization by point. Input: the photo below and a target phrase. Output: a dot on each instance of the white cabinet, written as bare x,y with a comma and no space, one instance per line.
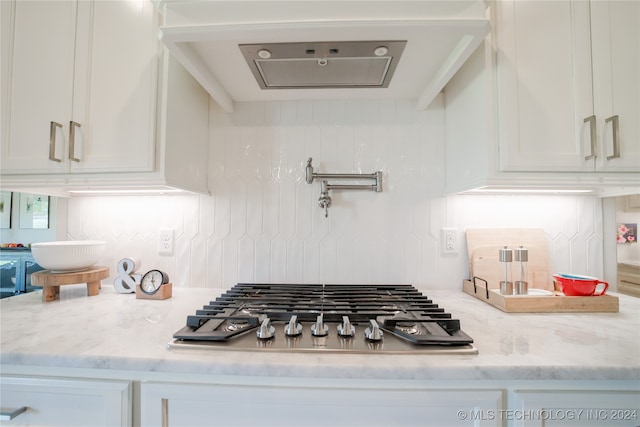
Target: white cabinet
568,85
515,112
616,64
40,54
38,51
575,408
66,402
82,84
100,397
175,404
92,77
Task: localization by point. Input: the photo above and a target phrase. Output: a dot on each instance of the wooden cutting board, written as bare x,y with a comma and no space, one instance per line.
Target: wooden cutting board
483,247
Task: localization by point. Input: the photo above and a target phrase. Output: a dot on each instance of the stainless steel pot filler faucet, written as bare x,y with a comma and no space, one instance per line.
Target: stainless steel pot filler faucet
325,200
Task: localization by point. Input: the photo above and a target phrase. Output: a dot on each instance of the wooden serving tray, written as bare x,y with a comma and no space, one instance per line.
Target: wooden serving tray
557,303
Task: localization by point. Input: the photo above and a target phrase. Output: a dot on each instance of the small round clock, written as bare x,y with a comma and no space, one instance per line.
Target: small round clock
152,280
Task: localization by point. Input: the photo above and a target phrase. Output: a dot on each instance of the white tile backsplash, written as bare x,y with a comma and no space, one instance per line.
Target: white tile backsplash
263,223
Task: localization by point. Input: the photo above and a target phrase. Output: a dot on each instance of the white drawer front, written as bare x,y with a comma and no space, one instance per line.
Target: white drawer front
66,402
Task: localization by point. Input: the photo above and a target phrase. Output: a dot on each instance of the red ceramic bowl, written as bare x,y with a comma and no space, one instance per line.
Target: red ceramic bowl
573,285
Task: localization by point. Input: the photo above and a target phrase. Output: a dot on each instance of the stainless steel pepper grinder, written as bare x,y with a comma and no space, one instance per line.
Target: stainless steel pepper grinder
506,257
522,285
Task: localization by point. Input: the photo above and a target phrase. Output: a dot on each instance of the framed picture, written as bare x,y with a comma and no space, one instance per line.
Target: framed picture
627,233
34,211
6,197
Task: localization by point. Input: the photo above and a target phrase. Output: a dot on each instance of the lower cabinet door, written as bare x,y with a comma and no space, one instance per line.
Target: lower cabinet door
194,405
604,408
65,402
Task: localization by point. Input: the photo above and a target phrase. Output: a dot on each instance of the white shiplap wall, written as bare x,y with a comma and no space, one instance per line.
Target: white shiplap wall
262,222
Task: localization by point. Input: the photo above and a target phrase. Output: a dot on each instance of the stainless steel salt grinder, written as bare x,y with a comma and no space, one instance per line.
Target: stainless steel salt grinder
506,257
522,285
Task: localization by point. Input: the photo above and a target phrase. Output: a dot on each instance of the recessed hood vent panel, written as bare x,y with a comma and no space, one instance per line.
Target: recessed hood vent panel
356,64
436,38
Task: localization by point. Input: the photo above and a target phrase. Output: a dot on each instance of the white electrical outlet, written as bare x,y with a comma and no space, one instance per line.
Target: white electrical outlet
165,241
449,240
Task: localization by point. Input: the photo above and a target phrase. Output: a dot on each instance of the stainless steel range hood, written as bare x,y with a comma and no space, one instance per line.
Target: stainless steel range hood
221,42
368,64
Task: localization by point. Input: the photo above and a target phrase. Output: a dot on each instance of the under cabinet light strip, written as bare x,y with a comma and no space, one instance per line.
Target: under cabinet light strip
124,192
528,191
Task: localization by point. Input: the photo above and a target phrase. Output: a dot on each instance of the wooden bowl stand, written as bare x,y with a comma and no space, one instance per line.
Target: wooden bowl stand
51,282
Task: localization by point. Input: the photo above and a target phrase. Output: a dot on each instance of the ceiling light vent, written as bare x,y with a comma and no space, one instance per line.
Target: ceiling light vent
322,65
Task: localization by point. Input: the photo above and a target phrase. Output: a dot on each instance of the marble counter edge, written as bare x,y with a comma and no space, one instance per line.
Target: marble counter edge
328,366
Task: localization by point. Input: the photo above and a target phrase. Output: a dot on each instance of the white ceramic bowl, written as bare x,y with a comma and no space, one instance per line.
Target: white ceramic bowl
71,255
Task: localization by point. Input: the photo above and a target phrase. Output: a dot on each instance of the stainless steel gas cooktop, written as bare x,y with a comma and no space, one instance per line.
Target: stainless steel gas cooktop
331,318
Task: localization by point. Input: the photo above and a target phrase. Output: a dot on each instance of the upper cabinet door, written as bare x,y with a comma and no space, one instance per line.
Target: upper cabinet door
39,82
544,85
114,98
85,76
616,65
568,85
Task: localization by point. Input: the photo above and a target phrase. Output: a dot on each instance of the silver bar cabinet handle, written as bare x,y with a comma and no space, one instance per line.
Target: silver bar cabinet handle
8,415
52,142
616,137
164,420
592,131
72,141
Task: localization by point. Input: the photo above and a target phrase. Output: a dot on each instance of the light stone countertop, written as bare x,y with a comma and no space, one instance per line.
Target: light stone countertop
118,332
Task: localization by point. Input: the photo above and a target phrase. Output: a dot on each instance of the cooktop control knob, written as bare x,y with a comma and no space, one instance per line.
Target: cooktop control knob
293,328
373,332
266,330
319,329
346,329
